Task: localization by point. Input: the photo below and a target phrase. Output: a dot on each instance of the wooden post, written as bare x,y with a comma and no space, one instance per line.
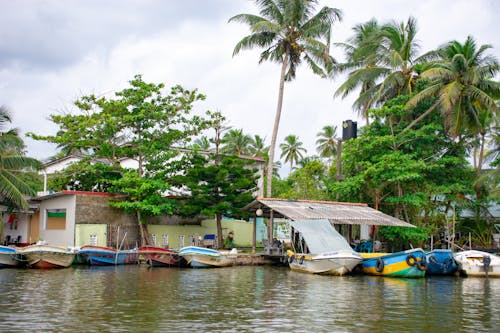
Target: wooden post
270,231
254,236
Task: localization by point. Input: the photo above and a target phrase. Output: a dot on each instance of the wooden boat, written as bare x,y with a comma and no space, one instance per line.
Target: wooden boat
440,262
320,249
46,256
8,257
408,264
105,256
201,257
157,256
478,263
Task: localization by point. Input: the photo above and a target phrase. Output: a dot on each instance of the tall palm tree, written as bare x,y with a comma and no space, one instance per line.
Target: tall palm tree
390,70
258,146
12,162
326,144
292,150
361,53
202,143
289,32
236,142
462,84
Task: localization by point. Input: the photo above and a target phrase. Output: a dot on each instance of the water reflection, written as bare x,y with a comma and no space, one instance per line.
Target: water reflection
240,299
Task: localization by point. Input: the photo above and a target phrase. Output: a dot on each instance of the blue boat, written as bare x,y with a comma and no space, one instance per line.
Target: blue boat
105,256
410,263
8,257
441,262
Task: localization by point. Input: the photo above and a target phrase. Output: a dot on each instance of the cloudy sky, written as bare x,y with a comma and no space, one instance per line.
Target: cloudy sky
52,52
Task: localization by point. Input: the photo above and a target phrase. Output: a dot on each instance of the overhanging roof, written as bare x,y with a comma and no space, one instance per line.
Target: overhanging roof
335,212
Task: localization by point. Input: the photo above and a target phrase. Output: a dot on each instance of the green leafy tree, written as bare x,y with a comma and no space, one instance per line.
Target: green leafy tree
143,123
258,146
85,175
404,172
218,186
289,33
291,150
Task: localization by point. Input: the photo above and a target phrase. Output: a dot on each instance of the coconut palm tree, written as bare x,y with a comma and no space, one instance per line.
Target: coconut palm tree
326,144
236,142
292,150
289,32
461,82
361,53
390,69
258,146
202,143
12,162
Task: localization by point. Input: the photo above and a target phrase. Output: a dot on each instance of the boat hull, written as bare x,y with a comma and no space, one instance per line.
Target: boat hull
405,264
199,257
441,262
159,257
338,263
47,257
106,256
471,263
8,257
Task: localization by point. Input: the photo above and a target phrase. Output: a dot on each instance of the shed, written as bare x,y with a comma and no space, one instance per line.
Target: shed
335,212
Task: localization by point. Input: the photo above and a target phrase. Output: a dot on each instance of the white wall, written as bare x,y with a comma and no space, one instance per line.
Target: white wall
59,237
19,228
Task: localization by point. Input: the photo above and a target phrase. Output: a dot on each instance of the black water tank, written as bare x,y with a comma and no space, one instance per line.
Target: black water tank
349,130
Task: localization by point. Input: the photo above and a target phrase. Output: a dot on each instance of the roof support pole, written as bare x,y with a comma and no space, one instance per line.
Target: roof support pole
270,231
254,234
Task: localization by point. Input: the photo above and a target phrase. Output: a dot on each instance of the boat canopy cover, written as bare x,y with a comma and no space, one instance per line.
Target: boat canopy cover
320,236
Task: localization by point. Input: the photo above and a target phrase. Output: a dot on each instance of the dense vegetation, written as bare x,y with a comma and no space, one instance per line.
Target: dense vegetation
427,153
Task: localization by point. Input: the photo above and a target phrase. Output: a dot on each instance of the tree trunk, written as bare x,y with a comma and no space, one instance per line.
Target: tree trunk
143,231
220,240
423,115
276,126
481,155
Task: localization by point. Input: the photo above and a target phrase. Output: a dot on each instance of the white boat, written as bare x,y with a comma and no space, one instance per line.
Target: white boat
320,249
478,263
47,256
201,257
8,256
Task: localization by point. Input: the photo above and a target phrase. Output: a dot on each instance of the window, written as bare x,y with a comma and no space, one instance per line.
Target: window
164,240
181,241
153,239
56,219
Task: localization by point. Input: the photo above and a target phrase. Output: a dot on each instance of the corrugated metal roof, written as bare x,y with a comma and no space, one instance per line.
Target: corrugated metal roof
335,212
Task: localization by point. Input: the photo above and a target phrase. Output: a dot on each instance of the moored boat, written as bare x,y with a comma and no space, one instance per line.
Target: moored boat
440,262
408,264
46,256
478,263
157,256
8,256
105,256
320,249
201,257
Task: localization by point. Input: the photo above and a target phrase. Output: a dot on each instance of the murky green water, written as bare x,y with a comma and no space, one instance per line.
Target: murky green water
240,299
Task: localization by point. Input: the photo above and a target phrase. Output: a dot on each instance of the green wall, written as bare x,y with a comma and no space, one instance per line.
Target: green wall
84,231
242,231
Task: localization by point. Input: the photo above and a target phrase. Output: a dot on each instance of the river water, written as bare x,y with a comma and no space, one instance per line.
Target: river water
240,299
